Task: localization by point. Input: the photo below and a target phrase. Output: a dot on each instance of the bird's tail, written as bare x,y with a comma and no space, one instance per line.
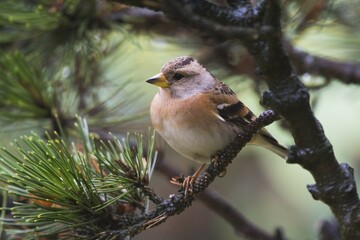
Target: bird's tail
266,140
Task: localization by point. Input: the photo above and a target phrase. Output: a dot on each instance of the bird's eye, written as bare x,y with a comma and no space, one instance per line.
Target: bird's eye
178,76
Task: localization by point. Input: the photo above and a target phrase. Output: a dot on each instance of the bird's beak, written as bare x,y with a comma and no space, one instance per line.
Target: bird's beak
159,80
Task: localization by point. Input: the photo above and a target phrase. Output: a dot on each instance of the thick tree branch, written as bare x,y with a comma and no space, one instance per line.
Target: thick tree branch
335,183
180,11
246,16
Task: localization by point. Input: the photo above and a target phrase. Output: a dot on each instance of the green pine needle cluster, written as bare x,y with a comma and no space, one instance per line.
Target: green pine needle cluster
23,21
63,189
23,90
26,20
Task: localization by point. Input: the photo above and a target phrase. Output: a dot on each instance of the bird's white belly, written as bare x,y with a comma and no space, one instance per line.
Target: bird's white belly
198,143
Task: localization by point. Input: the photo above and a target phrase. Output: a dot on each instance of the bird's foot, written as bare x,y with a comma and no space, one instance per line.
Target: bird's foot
215,160
187,182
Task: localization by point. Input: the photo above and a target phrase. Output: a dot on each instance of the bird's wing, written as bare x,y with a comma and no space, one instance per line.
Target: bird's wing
231,109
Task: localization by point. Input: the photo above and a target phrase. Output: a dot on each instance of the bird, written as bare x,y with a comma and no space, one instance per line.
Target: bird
198,115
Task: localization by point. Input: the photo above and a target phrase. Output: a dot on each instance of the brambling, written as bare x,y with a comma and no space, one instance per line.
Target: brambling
198,115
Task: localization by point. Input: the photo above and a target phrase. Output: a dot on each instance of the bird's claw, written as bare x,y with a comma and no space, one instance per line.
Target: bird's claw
215,161
187,182
177,180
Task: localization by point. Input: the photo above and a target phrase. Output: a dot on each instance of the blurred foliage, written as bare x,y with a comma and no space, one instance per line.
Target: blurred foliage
20,20
68,80
325,27
24,93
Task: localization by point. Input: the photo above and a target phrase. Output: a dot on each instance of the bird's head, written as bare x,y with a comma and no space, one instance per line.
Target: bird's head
183,77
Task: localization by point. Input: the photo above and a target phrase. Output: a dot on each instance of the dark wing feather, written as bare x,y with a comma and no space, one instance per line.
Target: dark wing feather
231,113
231,109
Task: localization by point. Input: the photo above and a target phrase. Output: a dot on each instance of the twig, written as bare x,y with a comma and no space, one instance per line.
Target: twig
242,226
307,63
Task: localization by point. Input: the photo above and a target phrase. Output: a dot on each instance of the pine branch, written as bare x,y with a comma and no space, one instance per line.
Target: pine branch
27,93
74,188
